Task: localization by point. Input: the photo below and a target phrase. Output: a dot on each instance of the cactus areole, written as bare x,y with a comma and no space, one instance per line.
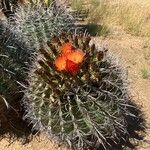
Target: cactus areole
78,93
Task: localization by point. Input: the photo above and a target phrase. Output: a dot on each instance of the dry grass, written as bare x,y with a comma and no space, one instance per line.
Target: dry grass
47,2
133,16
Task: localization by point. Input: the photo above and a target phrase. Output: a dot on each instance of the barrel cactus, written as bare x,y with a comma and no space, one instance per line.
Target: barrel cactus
78,94
38,23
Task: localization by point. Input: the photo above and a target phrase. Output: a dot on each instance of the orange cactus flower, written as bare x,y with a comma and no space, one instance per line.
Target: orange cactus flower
70,59
76,56
72,67
66,48
60,63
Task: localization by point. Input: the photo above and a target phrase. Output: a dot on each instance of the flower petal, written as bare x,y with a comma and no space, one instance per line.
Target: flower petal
66,48
76,56
71,67
60,63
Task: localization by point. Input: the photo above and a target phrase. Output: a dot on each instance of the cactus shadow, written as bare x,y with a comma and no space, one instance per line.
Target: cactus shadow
136,127
95,29
12,126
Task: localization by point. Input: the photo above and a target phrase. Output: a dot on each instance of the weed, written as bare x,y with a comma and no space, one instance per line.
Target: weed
147,55
145,73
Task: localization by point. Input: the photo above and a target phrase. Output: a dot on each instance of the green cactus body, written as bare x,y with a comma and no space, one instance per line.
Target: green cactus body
15,60
15,57
86,110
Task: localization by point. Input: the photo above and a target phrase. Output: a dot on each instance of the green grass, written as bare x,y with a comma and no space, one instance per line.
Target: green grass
77,4
145,73
147,54
147,49
35,2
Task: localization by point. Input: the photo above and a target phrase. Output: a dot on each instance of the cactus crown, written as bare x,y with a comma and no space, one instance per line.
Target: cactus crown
83,102
71,74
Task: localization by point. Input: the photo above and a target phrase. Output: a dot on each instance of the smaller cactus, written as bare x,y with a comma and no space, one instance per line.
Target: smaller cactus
37,23
15,59
78,94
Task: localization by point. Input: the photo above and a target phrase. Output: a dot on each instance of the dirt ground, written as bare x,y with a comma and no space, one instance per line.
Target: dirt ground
130,50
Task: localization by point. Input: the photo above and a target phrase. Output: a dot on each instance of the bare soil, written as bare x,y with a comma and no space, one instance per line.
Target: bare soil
131,52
